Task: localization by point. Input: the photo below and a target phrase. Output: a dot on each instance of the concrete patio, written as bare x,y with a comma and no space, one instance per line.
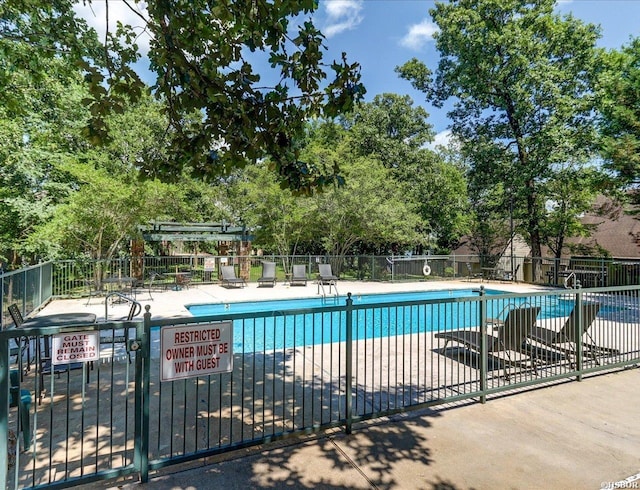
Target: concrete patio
573,435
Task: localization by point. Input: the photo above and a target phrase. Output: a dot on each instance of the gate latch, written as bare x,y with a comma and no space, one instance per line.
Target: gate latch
133,345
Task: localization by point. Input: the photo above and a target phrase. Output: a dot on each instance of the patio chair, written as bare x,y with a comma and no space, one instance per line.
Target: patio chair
158,281
92,290
564,340
111,340
268,274
22,399
509,346
22,345
183,280
229,277
471,274
325,275
299,275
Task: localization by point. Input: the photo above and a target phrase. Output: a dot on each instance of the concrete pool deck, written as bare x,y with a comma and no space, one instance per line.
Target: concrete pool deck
566,436
570,436
172,304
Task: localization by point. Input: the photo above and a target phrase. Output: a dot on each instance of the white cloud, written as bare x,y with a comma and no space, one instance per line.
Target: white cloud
96,16
443,138
419,35
342,15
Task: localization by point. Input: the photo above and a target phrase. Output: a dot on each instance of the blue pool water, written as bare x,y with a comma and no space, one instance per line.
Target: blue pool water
285,328
303,303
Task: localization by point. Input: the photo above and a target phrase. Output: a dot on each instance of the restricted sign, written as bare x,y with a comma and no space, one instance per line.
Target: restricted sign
196,350
75,347
209,264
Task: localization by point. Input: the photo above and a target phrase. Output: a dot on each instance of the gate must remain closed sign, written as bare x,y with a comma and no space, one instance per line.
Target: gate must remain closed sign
196,350
72,347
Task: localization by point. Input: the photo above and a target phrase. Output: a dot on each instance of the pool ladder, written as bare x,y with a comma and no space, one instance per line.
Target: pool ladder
331,284
134,310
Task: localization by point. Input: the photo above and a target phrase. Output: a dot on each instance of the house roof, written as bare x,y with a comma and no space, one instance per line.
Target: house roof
615,230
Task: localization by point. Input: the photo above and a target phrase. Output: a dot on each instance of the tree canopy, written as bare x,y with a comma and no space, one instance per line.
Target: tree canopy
619,103
521,82
221,111
88,151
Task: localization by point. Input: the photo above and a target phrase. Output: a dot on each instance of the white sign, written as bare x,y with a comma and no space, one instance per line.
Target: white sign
196,350
75,347
209,264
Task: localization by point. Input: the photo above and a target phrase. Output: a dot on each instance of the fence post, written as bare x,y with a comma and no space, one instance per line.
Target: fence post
373,268
484,355
143,365
1,298
4,410
578,332
349,362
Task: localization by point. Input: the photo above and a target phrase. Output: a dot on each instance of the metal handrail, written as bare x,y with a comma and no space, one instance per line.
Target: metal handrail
331,284
567,281
135,309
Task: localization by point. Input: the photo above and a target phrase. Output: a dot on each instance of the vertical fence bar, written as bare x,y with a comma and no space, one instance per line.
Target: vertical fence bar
579,326
4,414
142,399
484,355
349,363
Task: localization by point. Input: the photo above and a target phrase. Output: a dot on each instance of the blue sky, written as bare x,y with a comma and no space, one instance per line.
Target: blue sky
382,34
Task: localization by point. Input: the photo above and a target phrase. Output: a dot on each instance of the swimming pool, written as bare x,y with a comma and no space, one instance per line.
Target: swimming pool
310,321
317,302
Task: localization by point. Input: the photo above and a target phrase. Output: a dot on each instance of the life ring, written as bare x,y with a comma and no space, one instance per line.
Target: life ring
426,270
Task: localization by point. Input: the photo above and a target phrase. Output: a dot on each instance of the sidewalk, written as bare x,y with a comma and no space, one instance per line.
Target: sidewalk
569,436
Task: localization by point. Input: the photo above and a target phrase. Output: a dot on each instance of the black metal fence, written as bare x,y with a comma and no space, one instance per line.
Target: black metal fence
291,371
33,286
28,288
78,278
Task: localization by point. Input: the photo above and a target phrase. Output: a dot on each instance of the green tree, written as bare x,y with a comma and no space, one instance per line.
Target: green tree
619,104
520,78
101,216
570,195
394,132
390,129
278,218
369,211
223,112
439,188
42,131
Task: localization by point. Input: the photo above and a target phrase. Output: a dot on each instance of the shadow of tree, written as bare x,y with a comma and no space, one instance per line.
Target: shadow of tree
268,396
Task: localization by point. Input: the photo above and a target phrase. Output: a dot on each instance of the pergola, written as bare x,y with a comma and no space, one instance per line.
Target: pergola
167,231
231,239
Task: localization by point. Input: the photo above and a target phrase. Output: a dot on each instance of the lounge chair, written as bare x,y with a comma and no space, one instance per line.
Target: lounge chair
229,277
509,346
158,282
325,275
471,274
268,274
564,340
299,275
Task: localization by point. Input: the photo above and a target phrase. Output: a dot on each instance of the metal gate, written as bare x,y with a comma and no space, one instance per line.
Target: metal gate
75,422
